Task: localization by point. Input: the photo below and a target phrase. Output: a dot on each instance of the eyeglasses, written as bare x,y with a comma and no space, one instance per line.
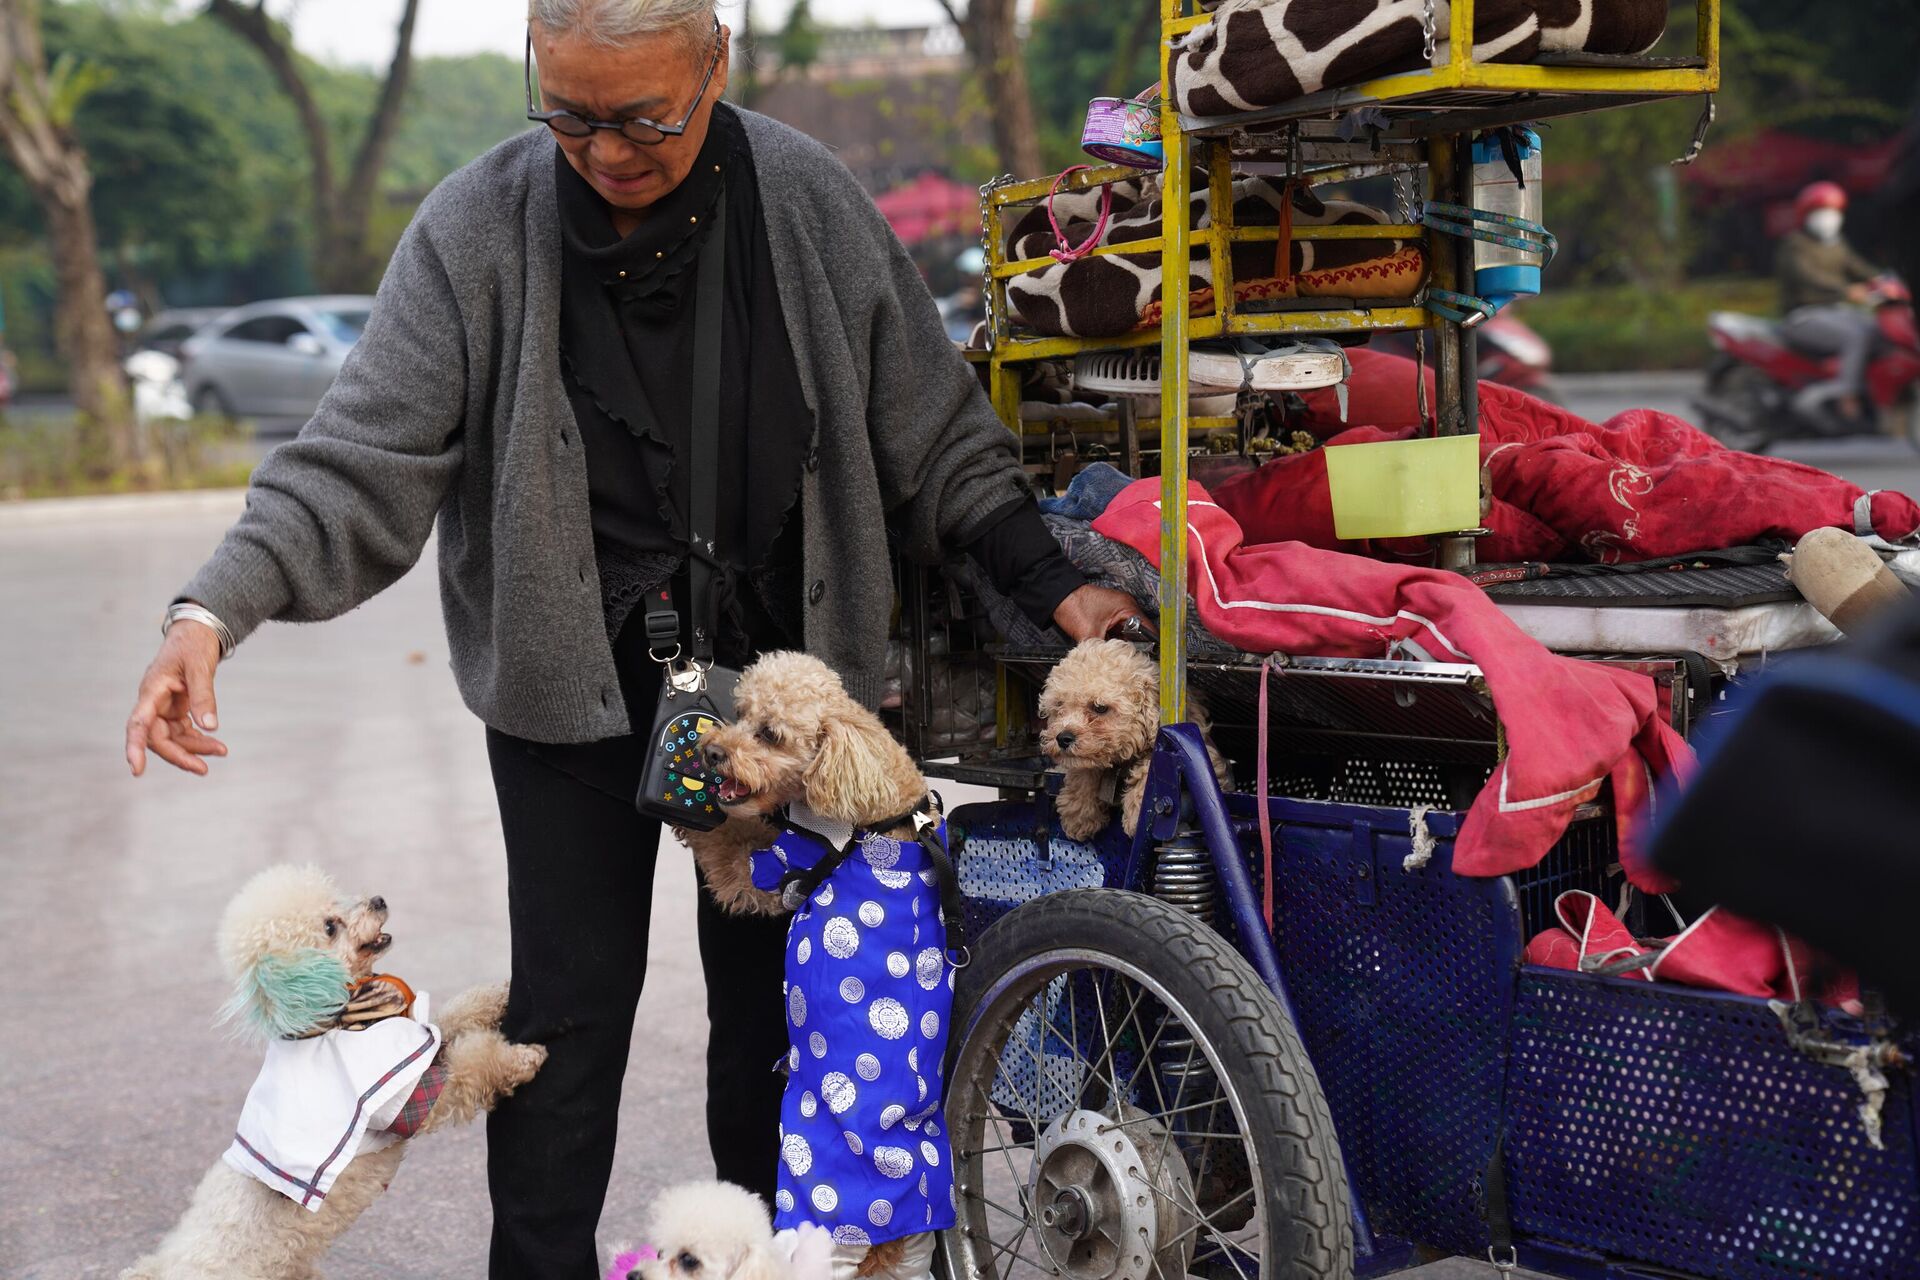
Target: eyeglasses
635,129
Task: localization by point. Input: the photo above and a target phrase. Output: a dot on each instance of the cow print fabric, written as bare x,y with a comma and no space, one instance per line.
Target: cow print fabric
1260,53
1106,296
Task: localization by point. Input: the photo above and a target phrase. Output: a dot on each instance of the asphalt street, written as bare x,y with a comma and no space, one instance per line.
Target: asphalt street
350,748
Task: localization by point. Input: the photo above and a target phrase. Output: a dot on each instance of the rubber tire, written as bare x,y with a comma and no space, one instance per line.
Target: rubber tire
210,402
1733,382
1286,1112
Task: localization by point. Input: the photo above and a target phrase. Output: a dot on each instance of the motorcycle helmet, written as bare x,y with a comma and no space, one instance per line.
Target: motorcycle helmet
1818,195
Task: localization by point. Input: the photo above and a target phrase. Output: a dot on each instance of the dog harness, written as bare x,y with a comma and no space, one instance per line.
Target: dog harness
869,989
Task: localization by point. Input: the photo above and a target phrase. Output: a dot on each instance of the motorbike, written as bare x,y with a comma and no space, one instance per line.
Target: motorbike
1753,383
1511,354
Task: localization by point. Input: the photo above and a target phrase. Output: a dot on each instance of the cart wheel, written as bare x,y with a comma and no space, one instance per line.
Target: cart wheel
1129,1102
1743,400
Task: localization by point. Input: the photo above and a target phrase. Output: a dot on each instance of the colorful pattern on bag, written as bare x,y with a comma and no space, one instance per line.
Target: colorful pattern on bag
686,778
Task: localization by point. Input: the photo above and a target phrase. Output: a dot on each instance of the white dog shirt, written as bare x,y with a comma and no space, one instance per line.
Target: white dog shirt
318,1103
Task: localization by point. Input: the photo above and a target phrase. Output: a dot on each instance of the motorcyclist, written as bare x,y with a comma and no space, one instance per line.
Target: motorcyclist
1824,291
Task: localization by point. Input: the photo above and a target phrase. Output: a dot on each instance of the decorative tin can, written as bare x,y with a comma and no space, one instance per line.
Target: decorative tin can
1125,130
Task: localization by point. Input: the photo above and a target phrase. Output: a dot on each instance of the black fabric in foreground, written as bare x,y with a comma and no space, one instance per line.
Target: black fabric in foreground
1805,814
1021,558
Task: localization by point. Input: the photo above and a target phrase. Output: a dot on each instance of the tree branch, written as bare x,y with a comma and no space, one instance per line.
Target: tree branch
257,29
953,15
385,121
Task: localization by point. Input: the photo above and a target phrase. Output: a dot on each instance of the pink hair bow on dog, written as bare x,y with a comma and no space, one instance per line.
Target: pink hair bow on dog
624,1263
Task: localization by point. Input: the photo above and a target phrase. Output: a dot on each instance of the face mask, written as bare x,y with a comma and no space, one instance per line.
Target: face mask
1824,224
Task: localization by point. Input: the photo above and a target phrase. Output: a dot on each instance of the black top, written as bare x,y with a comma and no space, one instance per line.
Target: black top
626,339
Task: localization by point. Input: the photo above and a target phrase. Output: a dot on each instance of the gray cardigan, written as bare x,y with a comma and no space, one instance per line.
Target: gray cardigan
452,406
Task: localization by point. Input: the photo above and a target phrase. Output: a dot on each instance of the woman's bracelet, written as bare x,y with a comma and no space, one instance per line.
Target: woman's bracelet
206,617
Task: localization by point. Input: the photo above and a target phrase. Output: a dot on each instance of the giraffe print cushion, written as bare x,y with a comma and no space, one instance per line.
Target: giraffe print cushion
1106,296
1260,53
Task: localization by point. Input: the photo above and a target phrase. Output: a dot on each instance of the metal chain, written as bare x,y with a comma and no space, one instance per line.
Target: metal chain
986,250
1427,28
1403,196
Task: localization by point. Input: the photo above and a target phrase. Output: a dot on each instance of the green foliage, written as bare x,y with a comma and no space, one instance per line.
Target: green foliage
44,459
1601,328
70,79
201,178
799,41
1083,49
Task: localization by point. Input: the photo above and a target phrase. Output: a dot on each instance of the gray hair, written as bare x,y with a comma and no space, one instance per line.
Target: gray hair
615,23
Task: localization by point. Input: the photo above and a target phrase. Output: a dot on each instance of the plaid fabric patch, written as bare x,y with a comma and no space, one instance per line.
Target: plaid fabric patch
419,1104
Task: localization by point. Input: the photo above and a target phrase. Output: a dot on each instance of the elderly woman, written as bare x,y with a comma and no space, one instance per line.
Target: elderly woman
527,381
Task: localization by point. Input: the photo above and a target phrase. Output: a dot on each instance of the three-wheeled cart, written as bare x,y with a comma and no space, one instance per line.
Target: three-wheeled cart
1147,1079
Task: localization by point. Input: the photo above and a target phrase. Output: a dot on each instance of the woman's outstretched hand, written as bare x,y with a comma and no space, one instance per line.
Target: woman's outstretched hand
174,713
1094,613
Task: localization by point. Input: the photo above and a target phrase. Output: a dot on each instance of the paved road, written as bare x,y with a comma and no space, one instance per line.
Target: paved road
350,748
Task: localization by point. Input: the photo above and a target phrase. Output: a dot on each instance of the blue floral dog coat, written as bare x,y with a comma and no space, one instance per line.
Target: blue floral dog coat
863,1151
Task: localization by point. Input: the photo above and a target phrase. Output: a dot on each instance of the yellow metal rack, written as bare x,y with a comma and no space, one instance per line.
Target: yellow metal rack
1422,119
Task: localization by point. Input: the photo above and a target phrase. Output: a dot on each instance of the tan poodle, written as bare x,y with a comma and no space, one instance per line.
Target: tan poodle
797,736
1101,709
301,962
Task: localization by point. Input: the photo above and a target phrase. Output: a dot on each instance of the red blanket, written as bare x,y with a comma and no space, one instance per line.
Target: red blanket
1641,486
1570,725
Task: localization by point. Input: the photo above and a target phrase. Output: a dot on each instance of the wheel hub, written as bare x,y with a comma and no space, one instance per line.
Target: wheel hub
1111,1198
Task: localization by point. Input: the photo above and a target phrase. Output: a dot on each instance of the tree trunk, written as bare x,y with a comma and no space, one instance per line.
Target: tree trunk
343,259
746,86
54,166
989,28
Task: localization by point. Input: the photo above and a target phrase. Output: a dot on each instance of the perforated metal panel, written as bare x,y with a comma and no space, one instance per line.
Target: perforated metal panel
1677,1127
1005,856
1402,979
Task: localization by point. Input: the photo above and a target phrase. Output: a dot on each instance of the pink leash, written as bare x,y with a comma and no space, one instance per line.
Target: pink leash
1266,803
1073,253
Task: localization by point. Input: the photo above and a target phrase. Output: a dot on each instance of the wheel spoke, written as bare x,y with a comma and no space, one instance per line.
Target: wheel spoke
1138,1017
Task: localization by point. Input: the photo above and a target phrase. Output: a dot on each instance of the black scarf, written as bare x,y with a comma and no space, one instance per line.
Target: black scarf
626,340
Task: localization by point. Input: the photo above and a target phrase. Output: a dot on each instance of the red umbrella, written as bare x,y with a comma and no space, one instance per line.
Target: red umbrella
931,205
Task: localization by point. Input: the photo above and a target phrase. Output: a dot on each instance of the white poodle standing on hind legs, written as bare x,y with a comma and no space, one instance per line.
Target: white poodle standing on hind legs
353,1070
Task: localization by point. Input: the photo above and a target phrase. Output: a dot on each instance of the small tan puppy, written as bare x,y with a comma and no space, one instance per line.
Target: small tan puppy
295,950
1101,708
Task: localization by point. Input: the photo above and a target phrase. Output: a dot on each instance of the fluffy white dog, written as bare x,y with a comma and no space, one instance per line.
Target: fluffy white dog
301,961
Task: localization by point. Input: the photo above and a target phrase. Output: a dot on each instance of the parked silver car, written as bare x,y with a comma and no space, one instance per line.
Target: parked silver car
272,359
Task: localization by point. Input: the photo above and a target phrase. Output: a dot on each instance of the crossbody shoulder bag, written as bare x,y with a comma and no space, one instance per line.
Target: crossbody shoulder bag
696,694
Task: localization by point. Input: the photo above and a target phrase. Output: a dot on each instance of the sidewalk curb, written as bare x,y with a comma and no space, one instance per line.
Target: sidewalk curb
121,506
1669,380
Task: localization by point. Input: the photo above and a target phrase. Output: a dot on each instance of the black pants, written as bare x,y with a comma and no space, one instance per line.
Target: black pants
580,864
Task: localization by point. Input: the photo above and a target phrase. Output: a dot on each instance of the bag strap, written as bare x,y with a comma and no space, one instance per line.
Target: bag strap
703,494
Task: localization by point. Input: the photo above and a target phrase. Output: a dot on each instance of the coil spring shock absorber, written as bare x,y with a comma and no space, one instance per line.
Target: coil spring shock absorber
1183,878
1183,875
